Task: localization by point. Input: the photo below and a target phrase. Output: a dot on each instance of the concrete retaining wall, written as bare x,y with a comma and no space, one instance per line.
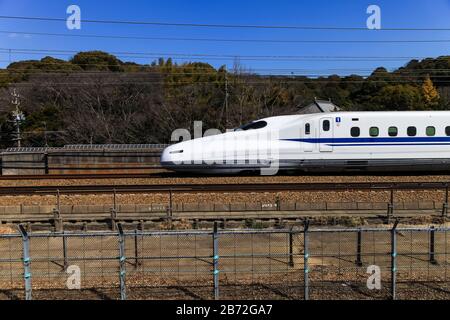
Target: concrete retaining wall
23,163
60,161
220,207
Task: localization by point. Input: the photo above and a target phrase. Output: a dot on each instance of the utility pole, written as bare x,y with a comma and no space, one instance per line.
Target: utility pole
226,97
45,134
18,116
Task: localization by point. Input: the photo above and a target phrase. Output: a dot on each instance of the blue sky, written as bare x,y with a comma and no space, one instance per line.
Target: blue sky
343,13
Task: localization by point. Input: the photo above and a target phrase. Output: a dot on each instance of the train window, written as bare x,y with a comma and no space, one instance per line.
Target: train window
253,126
374,131
326,125
307,128
447,131
392,131
355,132
411,131
431,131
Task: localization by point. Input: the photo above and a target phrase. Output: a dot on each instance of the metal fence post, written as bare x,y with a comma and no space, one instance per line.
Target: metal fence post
305,259
26,262
394,260
291,247
390,212
445,205
66,262
136,249
358,249
46,170
122,264
432,245
113,217
216,261
57,219
58,200
170,203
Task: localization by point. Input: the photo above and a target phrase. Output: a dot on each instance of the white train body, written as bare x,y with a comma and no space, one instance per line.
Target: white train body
338,141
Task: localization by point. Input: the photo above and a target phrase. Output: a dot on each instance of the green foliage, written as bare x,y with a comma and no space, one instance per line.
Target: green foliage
46,64
97,61
39,123
144,103
398,97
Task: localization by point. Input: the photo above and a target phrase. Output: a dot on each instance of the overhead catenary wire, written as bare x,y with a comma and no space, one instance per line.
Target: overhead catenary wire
237,55
245,70
305,41
208,56
435,73
234,26
274,74
200,59
311,81
182,70
179,71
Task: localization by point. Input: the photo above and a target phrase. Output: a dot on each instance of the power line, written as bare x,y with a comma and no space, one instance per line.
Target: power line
21,50
281,72
199,59
97,36
259,82
435,73
182,68
235,26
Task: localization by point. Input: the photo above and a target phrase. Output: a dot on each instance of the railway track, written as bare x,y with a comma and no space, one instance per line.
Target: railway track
220,188
160,174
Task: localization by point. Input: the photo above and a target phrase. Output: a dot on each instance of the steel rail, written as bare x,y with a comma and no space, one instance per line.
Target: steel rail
216,188
83,176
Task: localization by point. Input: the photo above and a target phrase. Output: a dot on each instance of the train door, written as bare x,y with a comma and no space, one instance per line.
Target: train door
308,134
326,134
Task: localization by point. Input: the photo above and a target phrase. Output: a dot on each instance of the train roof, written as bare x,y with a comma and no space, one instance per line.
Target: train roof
422,113
286,119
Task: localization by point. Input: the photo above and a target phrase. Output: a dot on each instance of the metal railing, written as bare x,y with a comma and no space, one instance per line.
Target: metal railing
76,147
114,146
304,263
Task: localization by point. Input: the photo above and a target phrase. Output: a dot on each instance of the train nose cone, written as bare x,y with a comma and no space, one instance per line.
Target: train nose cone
172,156
165,157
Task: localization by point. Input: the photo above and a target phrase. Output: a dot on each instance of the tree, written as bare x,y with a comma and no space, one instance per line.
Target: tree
98,61
96,98
430,94
401,97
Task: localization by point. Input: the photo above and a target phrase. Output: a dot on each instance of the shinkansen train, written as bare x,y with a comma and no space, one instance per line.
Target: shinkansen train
338,141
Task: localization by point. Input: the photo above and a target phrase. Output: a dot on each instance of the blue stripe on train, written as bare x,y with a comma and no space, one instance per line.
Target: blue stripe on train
387,144
376,141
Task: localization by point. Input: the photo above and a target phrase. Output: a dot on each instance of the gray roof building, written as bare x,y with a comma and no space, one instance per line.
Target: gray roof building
319,106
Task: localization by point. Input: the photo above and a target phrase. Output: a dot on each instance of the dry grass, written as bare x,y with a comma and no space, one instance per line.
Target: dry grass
7,229
238,197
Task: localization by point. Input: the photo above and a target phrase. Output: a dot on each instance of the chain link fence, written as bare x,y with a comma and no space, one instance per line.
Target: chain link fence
295,263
